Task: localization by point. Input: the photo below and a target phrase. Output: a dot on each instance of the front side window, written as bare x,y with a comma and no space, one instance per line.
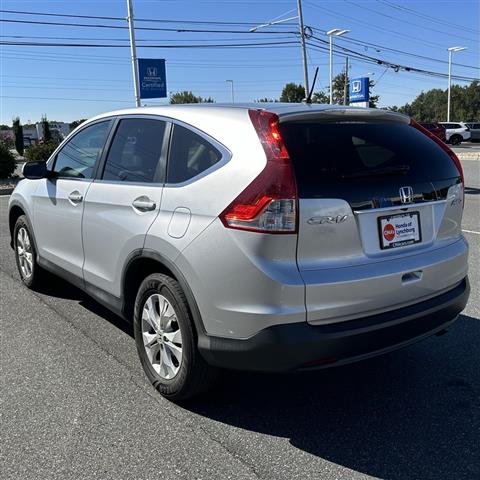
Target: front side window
190,155
135,152
78,156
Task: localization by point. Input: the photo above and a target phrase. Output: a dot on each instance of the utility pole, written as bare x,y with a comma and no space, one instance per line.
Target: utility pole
133,50
345,87
304,49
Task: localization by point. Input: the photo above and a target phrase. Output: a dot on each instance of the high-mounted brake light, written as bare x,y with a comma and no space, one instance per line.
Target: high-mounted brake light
441,144
269,203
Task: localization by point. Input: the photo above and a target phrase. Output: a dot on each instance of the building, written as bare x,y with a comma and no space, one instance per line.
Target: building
62,129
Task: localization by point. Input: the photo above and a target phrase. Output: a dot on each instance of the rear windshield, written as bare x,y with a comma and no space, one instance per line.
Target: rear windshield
328,155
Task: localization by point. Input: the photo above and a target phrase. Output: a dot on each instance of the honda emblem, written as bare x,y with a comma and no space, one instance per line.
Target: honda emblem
406,194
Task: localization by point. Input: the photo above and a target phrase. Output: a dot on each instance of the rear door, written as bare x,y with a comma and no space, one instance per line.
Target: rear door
123,202
370,194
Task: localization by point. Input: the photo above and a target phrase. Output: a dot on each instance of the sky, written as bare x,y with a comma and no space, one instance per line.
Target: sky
68,83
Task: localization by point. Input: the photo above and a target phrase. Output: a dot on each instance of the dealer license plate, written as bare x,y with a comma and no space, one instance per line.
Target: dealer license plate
399,230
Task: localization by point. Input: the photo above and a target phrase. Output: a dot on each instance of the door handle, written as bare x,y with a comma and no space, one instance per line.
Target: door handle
75,197
144,204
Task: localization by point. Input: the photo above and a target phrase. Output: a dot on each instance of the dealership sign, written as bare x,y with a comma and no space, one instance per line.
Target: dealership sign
152,78
359,90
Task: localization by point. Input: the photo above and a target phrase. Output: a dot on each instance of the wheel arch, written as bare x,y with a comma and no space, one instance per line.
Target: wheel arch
15,211
144,262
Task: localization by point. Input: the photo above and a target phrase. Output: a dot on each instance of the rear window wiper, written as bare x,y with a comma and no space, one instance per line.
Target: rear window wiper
392,170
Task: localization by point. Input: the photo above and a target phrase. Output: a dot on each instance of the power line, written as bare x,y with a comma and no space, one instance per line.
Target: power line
364,7
343,51
151,29
436,20
377,46
153,20
103,45
373,26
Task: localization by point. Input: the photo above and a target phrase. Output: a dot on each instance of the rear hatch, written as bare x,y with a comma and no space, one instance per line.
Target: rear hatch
378,196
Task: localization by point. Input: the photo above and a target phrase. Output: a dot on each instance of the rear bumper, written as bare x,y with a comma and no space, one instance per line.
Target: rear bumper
301,346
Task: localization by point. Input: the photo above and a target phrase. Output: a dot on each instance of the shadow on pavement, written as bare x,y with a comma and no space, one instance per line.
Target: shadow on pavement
54,286
472,191
411,414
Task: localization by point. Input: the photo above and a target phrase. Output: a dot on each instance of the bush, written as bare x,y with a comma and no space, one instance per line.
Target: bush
40,152
7,162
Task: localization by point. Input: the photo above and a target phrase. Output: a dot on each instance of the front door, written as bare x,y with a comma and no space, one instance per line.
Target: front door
59,199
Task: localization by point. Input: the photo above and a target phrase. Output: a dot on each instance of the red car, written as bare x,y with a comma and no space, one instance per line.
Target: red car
436,129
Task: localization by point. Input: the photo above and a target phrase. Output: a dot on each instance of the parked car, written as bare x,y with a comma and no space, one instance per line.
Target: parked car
456,133
436,128
474,128
271,238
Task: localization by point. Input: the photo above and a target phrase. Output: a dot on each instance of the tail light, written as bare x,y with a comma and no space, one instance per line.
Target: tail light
269,203
441,144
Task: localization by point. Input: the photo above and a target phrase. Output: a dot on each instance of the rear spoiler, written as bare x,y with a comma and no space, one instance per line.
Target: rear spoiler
347,114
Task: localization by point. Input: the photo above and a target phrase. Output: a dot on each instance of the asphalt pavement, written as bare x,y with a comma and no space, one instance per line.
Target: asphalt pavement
75,403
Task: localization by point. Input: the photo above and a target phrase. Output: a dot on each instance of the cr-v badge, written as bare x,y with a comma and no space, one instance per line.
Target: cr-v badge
406,194
328,219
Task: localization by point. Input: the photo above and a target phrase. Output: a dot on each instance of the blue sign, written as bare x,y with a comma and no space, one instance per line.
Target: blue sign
359,90
152,78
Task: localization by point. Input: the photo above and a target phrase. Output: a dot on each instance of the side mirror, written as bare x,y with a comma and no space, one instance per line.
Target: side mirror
35,170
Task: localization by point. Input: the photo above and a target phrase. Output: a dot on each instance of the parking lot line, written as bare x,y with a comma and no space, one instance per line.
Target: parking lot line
471,231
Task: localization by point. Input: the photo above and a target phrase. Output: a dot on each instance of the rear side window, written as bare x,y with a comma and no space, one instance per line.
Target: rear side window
135,152
327,156
78,156
190,155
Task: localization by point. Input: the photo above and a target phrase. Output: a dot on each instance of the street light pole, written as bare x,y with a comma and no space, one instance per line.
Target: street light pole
233,95
133,50
304,48
335,32
450,51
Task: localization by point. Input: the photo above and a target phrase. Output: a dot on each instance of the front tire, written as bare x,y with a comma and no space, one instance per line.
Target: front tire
25,254
166,340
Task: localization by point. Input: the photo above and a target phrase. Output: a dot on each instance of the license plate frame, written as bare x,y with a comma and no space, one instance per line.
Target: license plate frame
411,220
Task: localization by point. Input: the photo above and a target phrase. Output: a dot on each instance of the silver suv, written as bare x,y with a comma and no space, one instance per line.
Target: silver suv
274,237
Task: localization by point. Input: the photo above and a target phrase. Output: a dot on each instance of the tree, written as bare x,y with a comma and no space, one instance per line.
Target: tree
188,97
431,106
320,97
18,134
7,162
47,134
266,100
73,125
292,93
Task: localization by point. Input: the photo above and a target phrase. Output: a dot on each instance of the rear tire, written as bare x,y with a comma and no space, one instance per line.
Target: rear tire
30,272
166,340
456,139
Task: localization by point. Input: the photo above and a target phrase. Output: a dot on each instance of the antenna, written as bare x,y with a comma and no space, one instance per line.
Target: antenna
308,100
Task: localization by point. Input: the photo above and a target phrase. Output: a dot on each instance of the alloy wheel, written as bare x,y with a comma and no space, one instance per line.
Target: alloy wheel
162,338
24,252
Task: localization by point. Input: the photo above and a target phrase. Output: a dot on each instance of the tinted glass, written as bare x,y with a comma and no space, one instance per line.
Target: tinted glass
78,157
364,162
190,155
135,152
